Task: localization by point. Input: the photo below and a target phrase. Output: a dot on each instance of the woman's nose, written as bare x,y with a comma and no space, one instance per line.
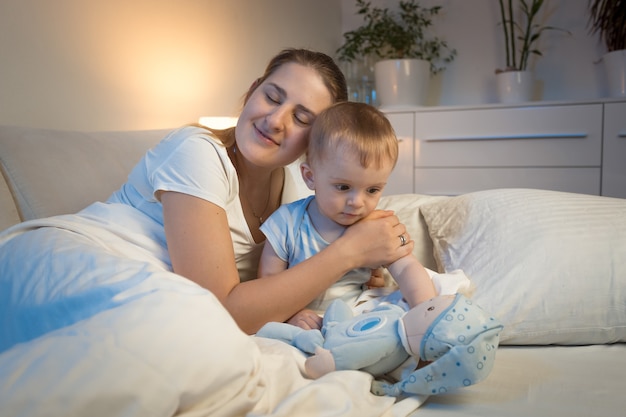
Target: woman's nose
276,120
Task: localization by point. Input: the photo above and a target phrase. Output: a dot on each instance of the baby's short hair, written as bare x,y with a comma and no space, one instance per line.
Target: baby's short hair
355,127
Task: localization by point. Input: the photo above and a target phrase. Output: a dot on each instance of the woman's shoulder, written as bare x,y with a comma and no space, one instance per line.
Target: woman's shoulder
189,143
190,158
188,132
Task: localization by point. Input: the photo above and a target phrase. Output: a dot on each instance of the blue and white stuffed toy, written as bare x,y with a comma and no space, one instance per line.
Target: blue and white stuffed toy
456,338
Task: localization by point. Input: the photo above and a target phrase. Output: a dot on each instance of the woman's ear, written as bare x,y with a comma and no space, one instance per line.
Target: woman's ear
307,175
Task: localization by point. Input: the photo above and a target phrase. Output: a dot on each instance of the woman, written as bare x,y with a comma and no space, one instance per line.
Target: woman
193,205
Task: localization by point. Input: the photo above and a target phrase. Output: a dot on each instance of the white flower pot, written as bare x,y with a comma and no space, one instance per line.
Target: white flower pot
615,67
402,82
515,86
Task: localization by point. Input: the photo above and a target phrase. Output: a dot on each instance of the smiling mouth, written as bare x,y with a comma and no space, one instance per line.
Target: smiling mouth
264,136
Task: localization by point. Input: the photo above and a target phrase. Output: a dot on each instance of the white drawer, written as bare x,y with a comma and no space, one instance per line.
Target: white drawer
614,154
454,181
538,136
401,179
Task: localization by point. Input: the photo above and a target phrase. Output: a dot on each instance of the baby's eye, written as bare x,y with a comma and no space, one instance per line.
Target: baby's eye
342,187
374,190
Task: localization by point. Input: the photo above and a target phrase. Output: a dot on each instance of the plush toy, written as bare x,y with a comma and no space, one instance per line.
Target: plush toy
455,336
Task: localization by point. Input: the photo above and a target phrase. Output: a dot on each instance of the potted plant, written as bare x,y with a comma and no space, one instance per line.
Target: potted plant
398,42
608,19
521,33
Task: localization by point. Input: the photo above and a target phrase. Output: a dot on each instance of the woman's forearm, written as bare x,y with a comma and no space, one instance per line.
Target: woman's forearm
279,296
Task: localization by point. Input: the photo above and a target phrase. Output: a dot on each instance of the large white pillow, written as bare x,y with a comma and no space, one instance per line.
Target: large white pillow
550,265
407,208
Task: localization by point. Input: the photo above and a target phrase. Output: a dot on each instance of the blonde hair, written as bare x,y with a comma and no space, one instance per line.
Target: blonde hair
357,128
323,64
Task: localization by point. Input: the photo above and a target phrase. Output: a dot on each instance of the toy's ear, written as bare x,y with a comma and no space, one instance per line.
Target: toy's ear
305,340
319,364
337,311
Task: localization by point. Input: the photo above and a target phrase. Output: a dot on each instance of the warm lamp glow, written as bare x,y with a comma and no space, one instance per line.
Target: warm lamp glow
219,122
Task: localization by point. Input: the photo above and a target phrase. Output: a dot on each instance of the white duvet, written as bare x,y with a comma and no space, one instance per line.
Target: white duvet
139,340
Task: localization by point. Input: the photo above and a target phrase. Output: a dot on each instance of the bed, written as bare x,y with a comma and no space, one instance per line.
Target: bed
550,265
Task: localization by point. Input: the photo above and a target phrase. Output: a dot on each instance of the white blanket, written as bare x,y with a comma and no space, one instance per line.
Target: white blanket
137,340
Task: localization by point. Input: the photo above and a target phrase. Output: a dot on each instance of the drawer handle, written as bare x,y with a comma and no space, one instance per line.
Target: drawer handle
506,137
622,134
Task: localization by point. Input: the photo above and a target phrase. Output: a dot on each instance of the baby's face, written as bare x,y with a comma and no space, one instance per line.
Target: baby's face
346,191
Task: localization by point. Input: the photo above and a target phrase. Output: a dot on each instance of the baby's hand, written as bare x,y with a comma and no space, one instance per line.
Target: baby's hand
377,279
306,319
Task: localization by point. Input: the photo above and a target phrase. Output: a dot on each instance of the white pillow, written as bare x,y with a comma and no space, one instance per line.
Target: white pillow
550,265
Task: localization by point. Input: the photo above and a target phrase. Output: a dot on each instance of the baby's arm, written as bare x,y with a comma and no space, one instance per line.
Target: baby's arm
414,282
270,263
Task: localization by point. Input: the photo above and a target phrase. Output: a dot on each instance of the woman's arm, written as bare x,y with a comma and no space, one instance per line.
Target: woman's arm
271,264
201,250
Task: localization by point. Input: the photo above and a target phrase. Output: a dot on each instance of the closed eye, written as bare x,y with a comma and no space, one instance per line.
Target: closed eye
274,94
277,95
273,98
303,118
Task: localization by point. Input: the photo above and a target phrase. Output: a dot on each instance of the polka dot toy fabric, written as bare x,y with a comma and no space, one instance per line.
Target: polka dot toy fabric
456,336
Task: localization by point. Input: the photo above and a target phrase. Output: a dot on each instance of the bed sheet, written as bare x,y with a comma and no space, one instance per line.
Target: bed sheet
147,358
106,330
543,381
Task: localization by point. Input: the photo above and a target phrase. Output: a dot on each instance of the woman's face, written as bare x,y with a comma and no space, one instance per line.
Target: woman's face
273,128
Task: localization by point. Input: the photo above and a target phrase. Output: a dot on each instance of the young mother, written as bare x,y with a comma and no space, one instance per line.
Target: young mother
195,202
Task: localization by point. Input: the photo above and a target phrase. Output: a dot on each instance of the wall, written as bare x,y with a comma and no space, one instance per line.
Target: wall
566,71
140,64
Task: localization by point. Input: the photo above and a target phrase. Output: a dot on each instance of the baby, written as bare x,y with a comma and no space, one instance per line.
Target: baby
352,151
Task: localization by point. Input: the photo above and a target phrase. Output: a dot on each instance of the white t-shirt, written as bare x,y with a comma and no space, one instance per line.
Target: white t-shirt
189,160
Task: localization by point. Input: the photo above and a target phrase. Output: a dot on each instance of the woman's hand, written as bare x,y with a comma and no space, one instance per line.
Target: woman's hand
306,319
376,241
